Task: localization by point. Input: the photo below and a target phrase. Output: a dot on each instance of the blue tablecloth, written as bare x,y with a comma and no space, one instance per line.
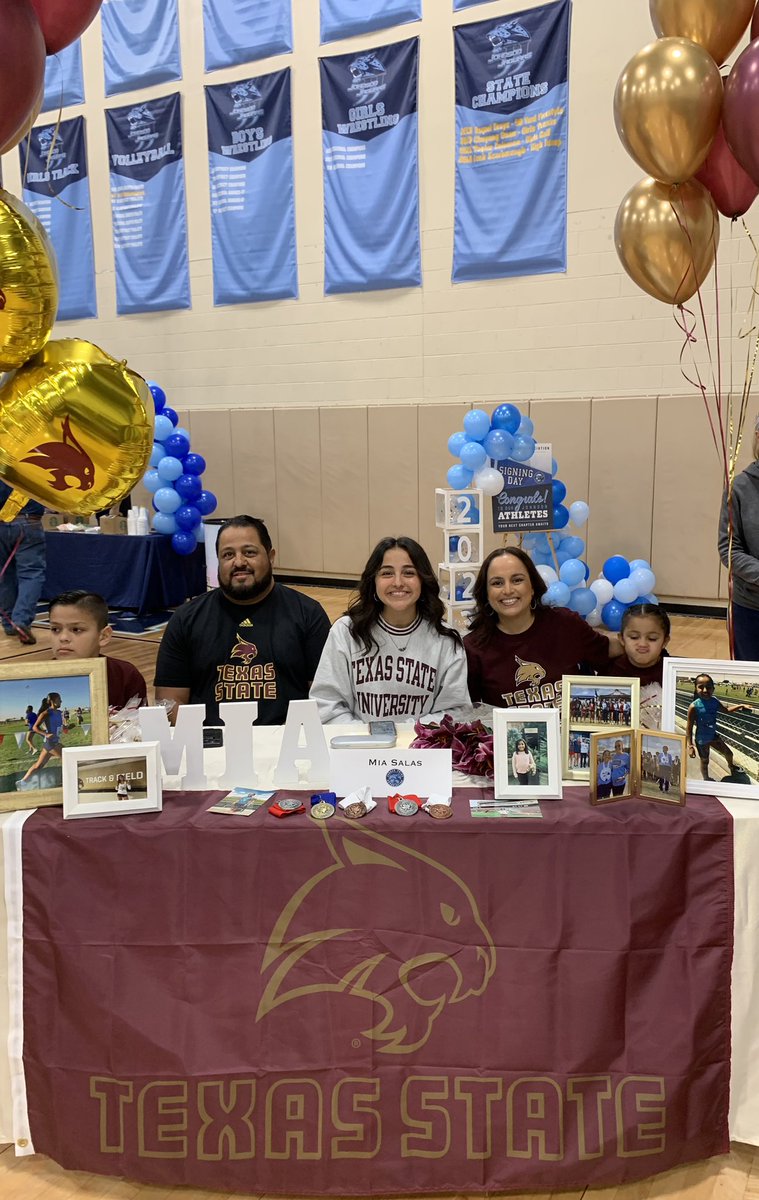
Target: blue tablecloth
140,573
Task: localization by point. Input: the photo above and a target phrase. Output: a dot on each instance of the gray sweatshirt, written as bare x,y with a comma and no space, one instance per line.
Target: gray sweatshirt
745,547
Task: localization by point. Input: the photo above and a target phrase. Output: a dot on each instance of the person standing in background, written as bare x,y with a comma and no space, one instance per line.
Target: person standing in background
740,554
22,563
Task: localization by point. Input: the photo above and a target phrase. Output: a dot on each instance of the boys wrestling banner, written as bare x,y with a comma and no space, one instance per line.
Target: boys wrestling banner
250,157
238,31
148,205
56,166
342,18
511,144
371,186
64,82
140,44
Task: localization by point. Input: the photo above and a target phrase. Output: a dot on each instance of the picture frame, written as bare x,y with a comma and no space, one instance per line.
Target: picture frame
112,780
735,722
538,728
588,704
613,765
31,767
660,758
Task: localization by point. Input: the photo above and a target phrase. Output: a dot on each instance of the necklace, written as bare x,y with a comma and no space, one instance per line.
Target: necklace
396,632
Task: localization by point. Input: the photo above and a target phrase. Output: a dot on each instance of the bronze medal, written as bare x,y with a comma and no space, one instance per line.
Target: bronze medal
356,810
322,810
440,811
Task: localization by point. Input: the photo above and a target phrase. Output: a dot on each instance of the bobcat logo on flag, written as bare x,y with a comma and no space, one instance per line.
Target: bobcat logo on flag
245,107
51,147
511,46
368,75
64,460
142,127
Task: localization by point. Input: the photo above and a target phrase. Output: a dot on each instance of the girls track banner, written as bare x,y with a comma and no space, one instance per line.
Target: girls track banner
341,18
64,81
371,185
511,144
148,205
140,44
239,31
250,156
57,190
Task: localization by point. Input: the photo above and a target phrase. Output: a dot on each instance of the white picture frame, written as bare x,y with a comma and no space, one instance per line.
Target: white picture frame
93,786
735,683
539,728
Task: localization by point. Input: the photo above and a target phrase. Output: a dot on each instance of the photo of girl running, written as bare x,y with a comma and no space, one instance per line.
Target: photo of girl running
49,724
701,728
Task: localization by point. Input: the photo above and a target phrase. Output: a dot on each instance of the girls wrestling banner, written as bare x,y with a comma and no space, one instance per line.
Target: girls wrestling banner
238,31
512,95
341,18
250,161
64,81
140,44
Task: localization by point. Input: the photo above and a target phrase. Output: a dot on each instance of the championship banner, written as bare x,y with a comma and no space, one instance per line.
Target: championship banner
511,144
239,31
371,185
148,205
57,190
250,156
64,81
140,44
340,18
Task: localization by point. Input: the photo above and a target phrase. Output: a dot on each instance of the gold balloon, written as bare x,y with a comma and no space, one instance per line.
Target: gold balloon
28,283
666,237
717,25
667,108
76,430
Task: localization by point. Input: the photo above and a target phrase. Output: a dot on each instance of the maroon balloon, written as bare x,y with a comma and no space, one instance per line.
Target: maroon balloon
62,21
740,112
22,68
755,23
733,191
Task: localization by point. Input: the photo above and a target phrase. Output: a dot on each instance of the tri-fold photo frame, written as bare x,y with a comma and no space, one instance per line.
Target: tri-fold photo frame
637,762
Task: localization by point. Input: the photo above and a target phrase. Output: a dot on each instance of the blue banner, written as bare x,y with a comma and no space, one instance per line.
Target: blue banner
458,4
148,205
64,81
512,98
240,31
345,18
371,185
57,190
250,153
140,44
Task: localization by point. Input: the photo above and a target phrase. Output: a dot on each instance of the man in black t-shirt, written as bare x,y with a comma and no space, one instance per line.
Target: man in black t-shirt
250,639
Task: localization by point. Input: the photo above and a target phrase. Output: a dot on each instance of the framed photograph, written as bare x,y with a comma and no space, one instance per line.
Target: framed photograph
46,707
612,766
714,704
591,704
109,781
660,767
526,753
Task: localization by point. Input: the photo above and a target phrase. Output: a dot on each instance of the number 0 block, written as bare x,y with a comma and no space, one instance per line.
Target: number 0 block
463,549
458,510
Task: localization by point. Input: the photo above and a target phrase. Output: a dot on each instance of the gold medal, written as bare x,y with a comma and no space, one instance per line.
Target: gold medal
356,810
322,810
439,811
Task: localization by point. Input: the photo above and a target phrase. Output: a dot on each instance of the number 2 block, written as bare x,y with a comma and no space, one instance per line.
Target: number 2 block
457,584
458,510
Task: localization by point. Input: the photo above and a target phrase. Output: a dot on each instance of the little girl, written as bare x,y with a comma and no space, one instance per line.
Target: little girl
522,762
644,635
701,731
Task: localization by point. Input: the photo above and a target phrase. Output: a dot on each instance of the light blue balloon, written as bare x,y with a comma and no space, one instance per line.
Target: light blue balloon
477,424
579,512
473,455
458,476
562,556
573,545
650,599
572,572
557,595
170,469
526,427
542,558
164,523
639,562
530,541
162,428
456,441
555,468
582,601
167,500
542,543
523,448
156,454
498,444
625,591
643,579
152,480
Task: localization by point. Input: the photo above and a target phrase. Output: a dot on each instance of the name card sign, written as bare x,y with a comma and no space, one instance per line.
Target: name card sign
415,772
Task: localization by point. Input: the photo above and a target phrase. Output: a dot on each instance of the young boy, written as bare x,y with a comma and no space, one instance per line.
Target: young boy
79,628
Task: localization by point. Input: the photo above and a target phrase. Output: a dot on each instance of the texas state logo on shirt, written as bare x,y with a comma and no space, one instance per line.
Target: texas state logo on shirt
530,689
241,678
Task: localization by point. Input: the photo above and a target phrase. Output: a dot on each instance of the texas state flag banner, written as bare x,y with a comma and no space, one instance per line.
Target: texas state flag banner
148,205
512,97
239,31
140,44
345,18
250,154
371,186
57,190
64,81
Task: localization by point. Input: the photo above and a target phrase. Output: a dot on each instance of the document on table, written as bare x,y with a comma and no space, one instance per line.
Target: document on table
505,808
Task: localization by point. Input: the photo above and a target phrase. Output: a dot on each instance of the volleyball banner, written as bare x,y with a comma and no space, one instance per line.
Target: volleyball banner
512,97
148,205
57,190
64,80
250,160
340,18
239,31
371,185
140,44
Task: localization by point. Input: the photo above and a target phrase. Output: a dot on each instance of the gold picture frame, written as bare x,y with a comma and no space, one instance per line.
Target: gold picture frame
662,781
613,760
82,690
586,703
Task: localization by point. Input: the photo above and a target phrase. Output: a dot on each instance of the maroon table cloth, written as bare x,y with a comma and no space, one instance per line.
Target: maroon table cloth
379,1006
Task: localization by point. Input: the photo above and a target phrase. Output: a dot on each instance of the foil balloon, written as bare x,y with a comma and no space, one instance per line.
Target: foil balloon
24,128
62,21
667,108
22,67
733,191
755,25
717,25
76,430
28,283
667,237
740,117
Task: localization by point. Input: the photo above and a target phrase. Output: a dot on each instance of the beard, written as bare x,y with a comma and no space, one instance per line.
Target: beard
246,587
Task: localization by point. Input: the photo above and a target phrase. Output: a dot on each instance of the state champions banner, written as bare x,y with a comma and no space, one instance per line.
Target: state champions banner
239,31
512,97
148,205
140,44
57,190
342,18
64,80
371,185
250,156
